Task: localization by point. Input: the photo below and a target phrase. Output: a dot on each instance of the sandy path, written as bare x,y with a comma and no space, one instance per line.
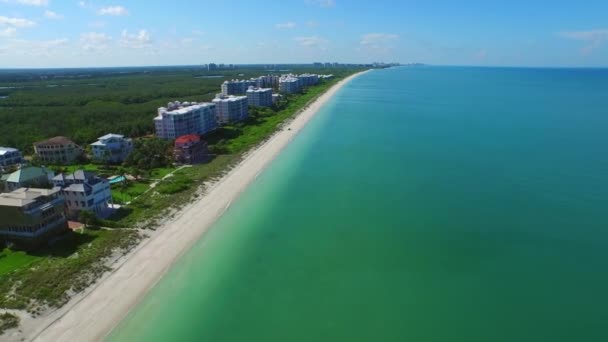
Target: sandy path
91,317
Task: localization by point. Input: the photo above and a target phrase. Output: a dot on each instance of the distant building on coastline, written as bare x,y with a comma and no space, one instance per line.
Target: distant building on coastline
237,87
29,176
309,80
179,119
57,150
30,216
190,149
268,81
259,97
113,148
10,156
289,84
231,108
84,190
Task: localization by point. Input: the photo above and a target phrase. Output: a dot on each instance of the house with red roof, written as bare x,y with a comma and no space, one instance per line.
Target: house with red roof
190,149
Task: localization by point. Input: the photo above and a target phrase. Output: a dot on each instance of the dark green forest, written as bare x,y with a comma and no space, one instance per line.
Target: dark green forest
86,104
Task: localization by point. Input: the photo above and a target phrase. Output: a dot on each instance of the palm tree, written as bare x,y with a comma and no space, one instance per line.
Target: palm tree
87,217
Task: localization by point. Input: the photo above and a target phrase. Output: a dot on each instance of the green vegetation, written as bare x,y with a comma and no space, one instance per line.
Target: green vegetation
45,276
8,321
86,104
86,108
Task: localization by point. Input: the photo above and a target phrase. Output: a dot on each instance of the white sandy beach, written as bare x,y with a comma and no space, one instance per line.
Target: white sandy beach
92,315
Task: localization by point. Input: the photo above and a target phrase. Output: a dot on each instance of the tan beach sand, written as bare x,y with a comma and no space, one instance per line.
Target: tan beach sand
91,316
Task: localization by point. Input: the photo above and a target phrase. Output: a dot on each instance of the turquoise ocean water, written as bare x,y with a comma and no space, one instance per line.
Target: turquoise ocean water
421,204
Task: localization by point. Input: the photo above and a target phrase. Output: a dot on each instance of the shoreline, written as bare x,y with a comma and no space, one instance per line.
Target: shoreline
92,316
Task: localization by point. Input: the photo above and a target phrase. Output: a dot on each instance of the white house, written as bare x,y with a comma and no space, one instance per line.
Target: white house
84,190
112,148
10,156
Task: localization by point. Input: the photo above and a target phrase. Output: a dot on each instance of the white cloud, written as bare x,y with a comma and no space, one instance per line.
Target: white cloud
322,3
53,15
377,38
16,22
97,24
287,25
8,32
94,41
312,41
31,48
198,32
378,42
138,40
113,11
28,2
593,38
312,23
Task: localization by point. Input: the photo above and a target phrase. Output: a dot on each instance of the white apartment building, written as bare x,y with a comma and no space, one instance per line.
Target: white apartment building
179,119
236,87
112,148
309,80
259,97
10,156
231,108
84,190
269,81
290,84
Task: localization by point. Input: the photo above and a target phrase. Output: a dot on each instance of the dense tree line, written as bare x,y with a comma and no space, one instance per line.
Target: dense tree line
84,108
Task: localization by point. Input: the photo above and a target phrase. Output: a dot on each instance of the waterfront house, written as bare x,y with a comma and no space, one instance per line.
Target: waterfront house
190,149
231,108
179,119
57,150
84,190
112,148
29,176
10,156
259,97
31,216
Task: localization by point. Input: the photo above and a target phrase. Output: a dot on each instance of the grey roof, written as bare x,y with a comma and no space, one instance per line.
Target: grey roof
111,135
5,150
78,175
24,196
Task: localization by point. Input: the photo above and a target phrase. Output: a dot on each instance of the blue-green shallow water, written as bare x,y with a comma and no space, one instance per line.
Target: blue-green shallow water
422,204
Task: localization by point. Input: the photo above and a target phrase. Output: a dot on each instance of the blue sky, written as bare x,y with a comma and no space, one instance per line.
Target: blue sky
71,33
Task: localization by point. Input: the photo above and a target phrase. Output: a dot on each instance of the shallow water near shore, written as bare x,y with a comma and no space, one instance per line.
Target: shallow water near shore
420,204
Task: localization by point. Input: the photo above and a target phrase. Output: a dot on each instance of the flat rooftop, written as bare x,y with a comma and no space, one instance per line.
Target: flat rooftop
24,196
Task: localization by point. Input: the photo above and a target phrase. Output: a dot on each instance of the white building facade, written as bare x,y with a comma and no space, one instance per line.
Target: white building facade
236,87
231,108
179,119
259,97
112,148
10,156
84,190
288,84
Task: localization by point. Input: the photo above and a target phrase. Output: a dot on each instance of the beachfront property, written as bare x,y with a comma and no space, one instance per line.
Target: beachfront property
289,84
179,119
190,149
31,216
268,81
57,150
236,87
29,176
112,148
259,97
276,98
231,108
309,80
84,190
10,156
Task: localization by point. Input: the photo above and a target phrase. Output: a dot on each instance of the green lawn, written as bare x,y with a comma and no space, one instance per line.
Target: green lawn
123,195
161,172
12,260
72,263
